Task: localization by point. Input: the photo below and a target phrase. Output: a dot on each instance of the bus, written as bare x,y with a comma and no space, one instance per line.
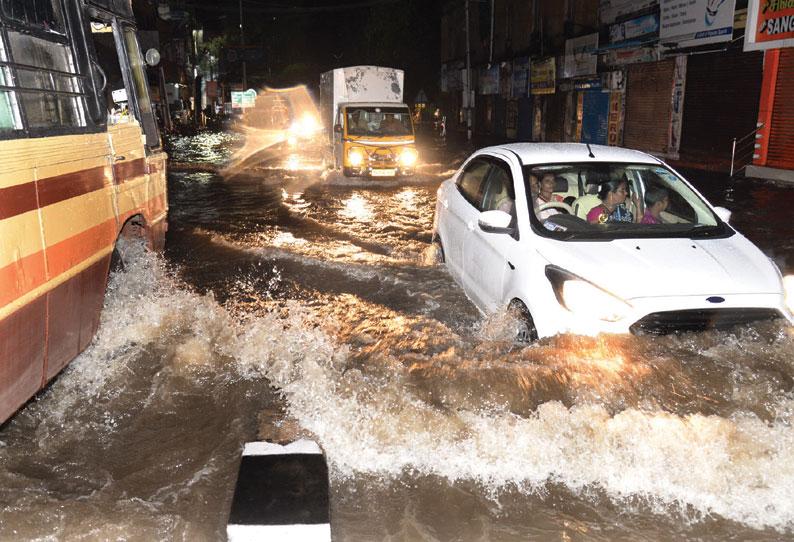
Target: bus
82,167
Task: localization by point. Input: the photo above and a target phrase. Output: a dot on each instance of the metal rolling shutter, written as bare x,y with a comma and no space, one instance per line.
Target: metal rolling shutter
649,94
721,100
781,134
555,118
595,117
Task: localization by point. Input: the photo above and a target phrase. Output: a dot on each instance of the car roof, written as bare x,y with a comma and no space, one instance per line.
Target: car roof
555,153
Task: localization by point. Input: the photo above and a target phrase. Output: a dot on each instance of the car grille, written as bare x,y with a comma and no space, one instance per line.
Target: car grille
660,323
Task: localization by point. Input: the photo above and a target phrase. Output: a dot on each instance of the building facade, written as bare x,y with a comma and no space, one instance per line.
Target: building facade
676,79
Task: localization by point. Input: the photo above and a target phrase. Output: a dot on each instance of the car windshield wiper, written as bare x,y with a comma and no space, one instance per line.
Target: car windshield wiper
704,230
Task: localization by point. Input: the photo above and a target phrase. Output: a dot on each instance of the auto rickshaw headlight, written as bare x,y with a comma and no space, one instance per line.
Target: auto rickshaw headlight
356,155
408,157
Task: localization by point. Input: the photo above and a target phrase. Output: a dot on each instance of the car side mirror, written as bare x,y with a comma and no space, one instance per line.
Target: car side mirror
495,221
723,213
338,128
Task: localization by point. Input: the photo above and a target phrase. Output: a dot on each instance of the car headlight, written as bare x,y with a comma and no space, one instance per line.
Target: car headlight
788,291
408,157
356,156
583,297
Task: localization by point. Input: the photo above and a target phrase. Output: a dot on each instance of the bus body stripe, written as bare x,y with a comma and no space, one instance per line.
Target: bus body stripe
127,171
70,185
18,199
26,274
21,277
64,255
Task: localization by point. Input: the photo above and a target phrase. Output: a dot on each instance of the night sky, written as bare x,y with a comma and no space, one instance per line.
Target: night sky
301,39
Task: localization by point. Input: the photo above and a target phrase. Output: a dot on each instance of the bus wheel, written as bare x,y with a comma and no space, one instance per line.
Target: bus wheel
130,245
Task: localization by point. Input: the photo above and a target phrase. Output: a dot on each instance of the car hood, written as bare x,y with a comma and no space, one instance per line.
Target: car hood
633,268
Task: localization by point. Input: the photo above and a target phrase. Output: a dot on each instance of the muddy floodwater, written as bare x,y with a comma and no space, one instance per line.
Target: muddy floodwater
290,303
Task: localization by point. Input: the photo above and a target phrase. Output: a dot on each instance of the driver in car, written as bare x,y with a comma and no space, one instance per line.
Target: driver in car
546,195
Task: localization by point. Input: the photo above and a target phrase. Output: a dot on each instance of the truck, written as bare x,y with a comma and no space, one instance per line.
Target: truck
369,131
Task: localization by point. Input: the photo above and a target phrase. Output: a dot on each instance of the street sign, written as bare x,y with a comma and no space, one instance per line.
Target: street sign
243,99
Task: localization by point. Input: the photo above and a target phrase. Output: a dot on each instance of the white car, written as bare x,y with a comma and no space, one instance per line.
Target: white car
692,271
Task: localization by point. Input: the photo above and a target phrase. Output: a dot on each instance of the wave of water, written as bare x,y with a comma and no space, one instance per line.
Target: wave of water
411,405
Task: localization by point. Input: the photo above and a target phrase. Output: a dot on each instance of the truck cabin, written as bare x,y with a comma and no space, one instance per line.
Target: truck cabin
391,121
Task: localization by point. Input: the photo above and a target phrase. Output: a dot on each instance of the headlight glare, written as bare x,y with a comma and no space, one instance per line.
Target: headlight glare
408,157
356,155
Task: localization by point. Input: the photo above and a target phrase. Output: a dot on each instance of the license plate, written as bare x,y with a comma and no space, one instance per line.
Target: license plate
382,173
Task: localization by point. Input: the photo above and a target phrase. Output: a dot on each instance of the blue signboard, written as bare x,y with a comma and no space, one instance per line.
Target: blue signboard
521,77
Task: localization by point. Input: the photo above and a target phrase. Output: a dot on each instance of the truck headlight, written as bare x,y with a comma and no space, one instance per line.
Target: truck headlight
583,297
356,155
788,292
408,157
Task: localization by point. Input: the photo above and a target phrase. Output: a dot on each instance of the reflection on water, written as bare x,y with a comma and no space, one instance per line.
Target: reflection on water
311,308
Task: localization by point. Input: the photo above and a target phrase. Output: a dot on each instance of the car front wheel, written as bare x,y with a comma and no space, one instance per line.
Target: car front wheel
526,332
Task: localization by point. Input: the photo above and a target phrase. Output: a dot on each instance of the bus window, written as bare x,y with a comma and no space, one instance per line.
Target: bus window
109,72
146,115
125,91
9,108
40,83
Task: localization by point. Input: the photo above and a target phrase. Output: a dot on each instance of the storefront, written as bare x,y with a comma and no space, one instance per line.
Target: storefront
779,114
722,97
648,110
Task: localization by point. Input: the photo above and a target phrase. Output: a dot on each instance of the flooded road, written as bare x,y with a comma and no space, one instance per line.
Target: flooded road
291,304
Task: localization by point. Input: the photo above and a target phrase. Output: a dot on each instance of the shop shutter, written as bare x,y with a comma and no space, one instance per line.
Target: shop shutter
500,117
555,116
781,133
524,121
595,117
649,95
721,100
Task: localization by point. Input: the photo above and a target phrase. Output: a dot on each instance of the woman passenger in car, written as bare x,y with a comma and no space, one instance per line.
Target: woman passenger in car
613,195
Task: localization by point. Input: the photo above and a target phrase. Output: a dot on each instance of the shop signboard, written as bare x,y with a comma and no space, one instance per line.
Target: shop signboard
610,11
613,122
579,57
520,77
212,89
489,79
696,22
643,27
770,25
542,75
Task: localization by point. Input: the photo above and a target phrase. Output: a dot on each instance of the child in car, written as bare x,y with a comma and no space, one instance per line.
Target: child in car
656,200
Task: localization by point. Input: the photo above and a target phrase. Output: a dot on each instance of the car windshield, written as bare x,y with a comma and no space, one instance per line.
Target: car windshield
603,201
378,121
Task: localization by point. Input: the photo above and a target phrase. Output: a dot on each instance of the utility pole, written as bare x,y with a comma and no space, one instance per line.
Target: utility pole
468,95
242,47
